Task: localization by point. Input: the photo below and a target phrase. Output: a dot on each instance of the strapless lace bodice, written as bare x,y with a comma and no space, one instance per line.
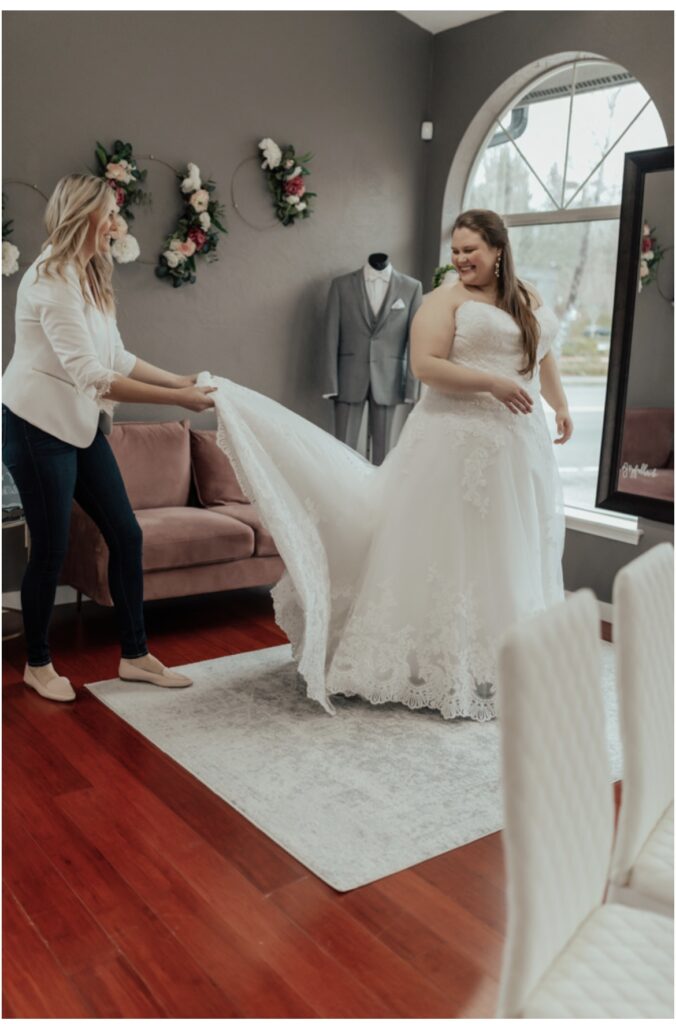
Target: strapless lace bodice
488,338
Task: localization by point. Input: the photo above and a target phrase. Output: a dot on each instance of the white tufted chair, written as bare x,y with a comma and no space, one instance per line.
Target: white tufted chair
567,954
642,870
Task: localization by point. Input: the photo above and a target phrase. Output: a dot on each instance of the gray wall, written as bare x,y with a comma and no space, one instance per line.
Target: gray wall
351,87
470,64
207,87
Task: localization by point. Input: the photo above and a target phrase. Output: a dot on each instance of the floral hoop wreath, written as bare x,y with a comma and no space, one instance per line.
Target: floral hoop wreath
119,169
195,234
651,254
285,173
10,253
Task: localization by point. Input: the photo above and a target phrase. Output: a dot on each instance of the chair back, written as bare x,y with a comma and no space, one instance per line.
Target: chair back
643,636
558,804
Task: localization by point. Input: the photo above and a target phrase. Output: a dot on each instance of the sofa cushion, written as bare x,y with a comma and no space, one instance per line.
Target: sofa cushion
215,480
174,538
154,459
265,545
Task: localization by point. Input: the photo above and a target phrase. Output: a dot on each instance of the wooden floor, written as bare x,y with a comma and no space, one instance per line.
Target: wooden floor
131,890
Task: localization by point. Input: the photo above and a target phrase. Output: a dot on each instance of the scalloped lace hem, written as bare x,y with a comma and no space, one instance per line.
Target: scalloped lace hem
484,711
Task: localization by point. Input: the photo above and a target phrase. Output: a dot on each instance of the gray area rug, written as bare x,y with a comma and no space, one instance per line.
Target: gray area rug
354,797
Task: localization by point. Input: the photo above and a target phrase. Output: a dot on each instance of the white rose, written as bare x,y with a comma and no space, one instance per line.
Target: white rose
199,200
193,182
650,255
301,207
645,269
271,152
294,174
172,258
175,243
292,200
205,221
125,249
10,259
646,229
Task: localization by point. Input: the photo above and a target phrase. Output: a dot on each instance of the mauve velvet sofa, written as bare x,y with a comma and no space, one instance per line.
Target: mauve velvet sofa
200,532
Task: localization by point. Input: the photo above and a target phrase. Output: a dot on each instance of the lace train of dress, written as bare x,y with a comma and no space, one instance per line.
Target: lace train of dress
401,578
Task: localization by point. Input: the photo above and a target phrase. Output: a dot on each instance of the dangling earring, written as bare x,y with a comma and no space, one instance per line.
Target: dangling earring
497,265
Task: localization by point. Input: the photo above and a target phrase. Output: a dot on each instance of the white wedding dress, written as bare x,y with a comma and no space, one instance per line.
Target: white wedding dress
401,578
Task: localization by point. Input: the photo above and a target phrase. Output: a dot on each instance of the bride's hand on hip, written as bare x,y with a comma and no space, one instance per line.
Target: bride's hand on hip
196,399
511,394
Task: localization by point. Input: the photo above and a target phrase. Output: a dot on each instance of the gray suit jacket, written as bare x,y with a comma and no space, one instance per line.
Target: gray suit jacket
363,349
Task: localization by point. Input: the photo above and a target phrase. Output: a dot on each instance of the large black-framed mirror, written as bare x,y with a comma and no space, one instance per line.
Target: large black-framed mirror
636,467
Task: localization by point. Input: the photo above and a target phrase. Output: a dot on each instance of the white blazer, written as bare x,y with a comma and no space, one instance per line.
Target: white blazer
66,355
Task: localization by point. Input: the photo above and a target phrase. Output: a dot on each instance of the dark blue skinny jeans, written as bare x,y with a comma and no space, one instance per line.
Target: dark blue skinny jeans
48,474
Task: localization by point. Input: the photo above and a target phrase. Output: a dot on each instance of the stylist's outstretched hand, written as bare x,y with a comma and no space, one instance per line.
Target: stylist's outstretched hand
195,398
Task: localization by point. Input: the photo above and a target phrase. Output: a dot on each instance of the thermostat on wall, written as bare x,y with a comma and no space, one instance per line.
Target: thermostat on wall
426,131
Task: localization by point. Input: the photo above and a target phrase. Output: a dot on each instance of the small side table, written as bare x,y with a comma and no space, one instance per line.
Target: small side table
12,619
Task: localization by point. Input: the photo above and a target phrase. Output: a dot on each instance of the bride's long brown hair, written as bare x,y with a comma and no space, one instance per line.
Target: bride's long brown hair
513,296
74,199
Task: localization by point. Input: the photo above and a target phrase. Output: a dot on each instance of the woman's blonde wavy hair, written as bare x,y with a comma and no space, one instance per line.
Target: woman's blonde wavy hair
74,199
513,295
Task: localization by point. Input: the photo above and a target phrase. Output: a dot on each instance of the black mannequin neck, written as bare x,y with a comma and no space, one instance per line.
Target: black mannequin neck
379,260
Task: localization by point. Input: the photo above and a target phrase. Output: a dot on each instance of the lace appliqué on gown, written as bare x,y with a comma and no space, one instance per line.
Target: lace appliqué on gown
449,665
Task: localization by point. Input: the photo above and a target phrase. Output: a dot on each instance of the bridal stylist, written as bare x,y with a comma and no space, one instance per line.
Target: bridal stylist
68,369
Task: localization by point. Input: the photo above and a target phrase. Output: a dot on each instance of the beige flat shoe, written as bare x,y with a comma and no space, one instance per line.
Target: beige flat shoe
56,688
131,673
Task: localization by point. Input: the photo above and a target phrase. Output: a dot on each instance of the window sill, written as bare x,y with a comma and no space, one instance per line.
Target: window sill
611,525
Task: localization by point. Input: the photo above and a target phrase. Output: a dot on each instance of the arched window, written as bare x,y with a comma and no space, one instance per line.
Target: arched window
552,167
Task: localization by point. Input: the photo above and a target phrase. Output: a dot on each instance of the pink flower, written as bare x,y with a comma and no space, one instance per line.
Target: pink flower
187,248
121,196
294,187
198,236
118,172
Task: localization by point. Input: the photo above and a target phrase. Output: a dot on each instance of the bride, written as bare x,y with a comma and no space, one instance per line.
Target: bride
400,578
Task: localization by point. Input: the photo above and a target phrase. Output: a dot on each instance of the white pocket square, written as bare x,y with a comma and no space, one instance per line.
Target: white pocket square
399,304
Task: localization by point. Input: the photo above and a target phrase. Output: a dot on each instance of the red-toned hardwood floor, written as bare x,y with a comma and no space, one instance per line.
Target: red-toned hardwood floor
131,890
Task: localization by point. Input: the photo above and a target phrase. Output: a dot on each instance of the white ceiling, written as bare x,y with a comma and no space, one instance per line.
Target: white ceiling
439,21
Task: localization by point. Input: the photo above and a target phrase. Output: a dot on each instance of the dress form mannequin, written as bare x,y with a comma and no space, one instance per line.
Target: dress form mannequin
367,326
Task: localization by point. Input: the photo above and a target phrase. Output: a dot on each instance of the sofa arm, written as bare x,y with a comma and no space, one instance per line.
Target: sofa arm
86,564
